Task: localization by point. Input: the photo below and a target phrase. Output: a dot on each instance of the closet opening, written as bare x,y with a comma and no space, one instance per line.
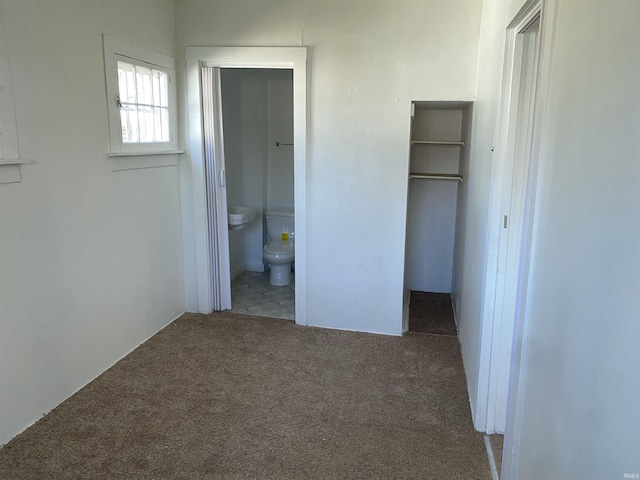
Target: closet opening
438,166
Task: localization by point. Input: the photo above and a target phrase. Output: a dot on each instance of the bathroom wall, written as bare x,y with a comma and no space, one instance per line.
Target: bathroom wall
232,119
257,111
367,61
280,129
91,259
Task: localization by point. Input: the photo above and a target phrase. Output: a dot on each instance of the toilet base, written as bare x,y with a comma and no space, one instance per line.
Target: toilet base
280,275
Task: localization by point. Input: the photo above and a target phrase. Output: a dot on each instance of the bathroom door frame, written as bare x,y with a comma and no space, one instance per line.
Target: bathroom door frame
503,349
524,49
291,58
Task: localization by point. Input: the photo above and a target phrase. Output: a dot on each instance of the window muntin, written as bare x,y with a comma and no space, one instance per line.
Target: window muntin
144,103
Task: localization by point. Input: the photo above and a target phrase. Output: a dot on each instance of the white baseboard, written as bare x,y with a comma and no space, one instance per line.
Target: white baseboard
255,267
237,271
101,369
406,300
492,458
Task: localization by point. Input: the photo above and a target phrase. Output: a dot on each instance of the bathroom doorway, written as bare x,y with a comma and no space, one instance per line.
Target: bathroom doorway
521,120
208,171
257,119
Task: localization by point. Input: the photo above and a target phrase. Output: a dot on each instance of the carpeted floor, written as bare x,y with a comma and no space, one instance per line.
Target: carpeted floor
431,313
227,396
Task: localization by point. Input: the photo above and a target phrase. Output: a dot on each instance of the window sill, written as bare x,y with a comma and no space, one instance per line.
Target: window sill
13,161
145,154
140,160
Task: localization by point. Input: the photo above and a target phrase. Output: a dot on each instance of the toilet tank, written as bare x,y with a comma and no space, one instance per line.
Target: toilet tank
277,221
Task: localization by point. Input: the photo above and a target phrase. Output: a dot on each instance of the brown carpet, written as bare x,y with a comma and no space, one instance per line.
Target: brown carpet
226,396
431,313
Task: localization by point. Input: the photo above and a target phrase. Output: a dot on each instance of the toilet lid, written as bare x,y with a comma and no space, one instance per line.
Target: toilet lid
278,247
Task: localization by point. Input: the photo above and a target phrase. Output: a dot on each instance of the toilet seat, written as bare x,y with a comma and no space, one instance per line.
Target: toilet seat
279,250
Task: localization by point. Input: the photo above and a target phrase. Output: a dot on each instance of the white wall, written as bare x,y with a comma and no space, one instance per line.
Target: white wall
254,162
368,60
280,129
579,401
232,113
430,235
90,258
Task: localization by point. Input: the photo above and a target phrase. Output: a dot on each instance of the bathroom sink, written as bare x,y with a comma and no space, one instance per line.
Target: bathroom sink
238,216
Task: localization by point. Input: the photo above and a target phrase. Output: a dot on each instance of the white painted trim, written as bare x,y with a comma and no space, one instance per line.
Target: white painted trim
485,420
294,58
406,301
143,154
516,161
9,150
484,365
549,14
239,270
255,267
491,457
215,185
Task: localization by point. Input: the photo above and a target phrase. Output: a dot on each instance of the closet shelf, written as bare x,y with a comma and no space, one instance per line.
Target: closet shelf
437,176
437,142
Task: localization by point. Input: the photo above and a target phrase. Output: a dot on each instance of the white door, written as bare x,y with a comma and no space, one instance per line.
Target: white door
216,191
519,139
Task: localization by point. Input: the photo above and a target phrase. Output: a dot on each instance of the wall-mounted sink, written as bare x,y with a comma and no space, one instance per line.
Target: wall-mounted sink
238,216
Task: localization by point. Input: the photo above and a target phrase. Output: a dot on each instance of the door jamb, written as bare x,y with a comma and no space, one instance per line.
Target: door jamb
512,235
294,58
549,14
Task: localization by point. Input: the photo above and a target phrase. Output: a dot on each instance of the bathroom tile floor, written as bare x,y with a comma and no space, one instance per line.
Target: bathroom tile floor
252,294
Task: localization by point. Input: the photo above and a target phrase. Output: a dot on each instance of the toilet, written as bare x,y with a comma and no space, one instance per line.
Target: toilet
279,253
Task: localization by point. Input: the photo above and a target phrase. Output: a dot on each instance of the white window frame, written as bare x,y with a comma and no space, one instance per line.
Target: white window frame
115,50
9,154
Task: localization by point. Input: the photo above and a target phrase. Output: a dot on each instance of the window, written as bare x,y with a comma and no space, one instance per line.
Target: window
140,99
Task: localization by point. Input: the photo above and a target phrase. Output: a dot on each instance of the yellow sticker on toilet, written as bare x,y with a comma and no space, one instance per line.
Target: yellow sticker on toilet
285,236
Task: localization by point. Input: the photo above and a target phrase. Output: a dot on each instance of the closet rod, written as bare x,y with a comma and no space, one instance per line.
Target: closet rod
436,176
437,142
